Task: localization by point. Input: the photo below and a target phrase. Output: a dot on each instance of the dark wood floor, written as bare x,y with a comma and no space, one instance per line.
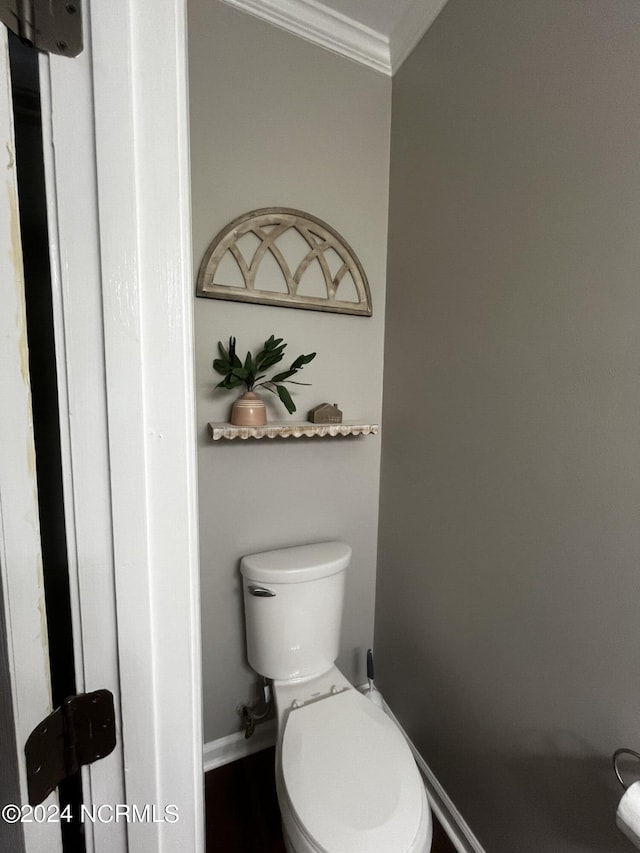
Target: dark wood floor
242,809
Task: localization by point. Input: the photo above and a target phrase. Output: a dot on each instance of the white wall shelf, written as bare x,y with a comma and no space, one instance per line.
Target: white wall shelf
290,430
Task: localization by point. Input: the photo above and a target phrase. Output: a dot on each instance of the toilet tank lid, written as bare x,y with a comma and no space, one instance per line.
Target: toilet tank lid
295,565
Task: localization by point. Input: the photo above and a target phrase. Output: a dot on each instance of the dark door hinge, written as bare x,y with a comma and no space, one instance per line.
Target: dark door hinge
80,732
51,26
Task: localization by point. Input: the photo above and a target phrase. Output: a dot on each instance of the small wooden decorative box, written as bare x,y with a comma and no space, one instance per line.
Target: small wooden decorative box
325,413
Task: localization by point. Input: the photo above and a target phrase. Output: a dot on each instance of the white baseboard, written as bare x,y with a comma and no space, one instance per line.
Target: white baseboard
236,746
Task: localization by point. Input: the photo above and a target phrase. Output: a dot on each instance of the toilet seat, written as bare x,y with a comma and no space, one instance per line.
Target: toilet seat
349,777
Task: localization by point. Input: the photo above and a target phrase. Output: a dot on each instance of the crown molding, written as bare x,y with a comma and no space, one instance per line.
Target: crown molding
317,23
410,29
325,27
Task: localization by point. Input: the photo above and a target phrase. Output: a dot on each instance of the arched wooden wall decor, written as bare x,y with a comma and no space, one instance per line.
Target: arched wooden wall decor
279,256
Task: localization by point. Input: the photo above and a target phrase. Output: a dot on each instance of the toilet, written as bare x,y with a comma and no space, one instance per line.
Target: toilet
345,776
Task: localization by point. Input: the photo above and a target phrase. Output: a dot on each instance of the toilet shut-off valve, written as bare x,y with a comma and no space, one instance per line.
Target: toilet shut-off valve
247,721
249,713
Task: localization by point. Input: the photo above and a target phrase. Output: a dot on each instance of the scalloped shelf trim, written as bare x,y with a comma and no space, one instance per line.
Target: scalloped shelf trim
288,430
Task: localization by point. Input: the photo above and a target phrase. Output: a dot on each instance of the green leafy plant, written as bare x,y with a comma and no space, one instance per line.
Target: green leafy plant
249,373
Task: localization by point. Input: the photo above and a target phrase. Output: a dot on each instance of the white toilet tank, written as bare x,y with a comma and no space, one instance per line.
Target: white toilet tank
293,608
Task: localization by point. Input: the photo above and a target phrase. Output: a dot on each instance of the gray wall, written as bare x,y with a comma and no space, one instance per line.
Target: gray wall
276,121
509,528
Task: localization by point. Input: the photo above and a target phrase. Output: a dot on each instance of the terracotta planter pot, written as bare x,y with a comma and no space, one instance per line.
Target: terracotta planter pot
248,410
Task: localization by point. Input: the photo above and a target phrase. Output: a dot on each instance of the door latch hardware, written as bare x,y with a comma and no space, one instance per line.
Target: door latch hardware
80,732
51,26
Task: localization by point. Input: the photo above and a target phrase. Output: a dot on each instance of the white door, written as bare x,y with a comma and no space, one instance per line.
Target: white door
116,157
24,647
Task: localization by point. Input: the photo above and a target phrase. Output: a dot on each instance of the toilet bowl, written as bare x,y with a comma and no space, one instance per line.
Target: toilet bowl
345,776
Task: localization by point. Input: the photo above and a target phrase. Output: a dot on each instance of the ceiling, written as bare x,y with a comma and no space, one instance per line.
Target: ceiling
377,33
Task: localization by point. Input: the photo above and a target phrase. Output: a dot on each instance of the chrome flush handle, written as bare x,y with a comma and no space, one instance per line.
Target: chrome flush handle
261,591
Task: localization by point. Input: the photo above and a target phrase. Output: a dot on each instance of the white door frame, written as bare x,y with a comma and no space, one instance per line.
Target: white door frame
74,239
139,70
117,162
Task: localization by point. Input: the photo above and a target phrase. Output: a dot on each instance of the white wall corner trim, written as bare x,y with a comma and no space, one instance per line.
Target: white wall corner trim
325,27
411,27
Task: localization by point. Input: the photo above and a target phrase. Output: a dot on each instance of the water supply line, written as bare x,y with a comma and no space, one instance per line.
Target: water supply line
372,693
251,714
